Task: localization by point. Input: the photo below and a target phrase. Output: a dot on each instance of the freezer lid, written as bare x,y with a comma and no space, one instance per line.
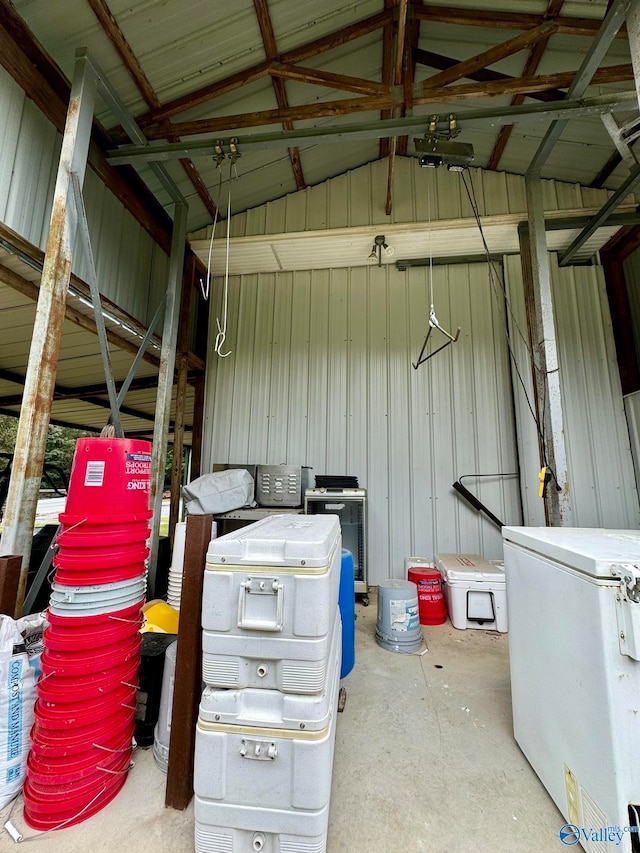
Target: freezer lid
593,551
279,540
469,568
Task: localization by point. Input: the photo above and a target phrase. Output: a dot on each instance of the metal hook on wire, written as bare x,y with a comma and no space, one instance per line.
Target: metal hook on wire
222,326
434,324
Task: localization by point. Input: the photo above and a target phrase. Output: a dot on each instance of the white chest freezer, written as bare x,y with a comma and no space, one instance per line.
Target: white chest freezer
263,766
574,642
269,601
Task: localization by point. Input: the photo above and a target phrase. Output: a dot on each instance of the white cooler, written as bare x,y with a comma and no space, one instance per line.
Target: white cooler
263,766
474,591
269,601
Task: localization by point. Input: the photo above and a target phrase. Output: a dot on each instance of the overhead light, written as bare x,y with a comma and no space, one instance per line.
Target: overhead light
380,247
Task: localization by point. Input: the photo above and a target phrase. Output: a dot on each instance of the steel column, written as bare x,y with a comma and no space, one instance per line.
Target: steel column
542,335
633,32
165,379
40,378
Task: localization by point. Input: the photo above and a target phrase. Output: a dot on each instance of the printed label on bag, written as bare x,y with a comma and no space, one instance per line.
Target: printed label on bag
14,723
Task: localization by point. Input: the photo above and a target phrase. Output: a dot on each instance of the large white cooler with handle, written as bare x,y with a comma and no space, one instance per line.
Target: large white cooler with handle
269,601
474,590
263,766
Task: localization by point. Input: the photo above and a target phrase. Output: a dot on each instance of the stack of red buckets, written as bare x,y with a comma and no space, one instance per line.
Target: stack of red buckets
86,697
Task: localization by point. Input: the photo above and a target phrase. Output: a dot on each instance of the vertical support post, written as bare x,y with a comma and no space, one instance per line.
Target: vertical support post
188,677
9,580
633,33
40,377
165,379
542,334
198,423
181,389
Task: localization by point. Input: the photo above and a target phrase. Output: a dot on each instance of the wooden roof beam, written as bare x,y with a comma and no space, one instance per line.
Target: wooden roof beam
409,69
270,48
482,75
536,53
388,41
397,79
508,20
255,72
523,85
341,82
134,69
488,57
261,118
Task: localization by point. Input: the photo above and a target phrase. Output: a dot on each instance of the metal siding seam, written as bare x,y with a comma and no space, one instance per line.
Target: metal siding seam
357,431
318,354
278,396
337,372
296,450
243,326
259,446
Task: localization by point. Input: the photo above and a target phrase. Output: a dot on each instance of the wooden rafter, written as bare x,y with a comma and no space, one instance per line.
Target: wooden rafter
264,117
325,78
523,85
609,167
270,48
482,75
508,20
409,71
255,72
397,79
531,66
488,57
134,69
388,40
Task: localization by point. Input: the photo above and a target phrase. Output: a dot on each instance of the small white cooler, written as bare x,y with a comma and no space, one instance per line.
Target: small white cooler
263,766
269,602
474,591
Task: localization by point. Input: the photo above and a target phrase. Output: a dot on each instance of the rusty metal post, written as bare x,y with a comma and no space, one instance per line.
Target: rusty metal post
542,334
165,379
40,378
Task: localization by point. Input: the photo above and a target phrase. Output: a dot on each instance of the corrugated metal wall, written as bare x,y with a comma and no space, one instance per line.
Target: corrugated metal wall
358,198
603,489
132,270
320,374
631,266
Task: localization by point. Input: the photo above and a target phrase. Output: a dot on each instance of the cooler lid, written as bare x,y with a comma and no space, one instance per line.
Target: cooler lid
590,550
279,540
468,567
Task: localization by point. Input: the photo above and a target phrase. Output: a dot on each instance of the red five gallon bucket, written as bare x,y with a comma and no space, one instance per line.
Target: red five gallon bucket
109,475
432,609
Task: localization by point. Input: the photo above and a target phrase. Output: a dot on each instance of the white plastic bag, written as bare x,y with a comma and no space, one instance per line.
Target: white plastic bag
17,698
220,491
32,629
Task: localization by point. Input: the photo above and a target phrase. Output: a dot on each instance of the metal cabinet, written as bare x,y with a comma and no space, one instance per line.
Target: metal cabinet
350,505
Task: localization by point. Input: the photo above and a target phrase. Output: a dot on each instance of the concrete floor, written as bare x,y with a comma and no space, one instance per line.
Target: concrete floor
425,761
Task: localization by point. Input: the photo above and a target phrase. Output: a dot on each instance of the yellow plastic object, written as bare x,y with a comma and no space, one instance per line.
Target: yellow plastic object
160,617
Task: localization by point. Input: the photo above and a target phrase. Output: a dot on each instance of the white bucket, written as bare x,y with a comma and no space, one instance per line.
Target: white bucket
398,626
162,731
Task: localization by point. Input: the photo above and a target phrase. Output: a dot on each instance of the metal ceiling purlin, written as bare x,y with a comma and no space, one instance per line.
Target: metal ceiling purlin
31,439
493,117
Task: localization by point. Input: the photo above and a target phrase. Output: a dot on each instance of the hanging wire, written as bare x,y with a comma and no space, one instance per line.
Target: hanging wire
502,299
222,326
205,286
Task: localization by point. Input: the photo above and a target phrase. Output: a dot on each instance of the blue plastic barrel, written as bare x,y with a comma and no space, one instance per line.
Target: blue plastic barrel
347,604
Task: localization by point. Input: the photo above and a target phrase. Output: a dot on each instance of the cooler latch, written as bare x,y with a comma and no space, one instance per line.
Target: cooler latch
258,750
256,614
628,609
